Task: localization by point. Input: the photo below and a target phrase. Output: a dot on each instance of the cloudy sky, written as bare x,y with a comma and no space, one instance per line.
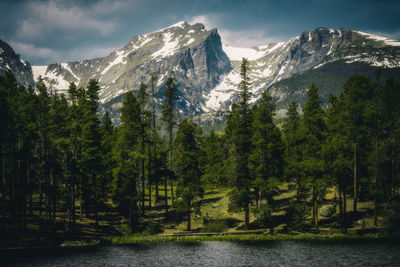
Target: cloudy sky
44,32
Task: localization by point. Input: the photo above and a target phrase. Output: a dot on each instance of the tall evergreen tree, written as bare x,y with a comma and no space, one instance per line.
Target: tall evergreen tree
213,162
187,167
239,132
337,156
168,116
91,150
266,158
143,138
107,143
154,137
314,130
126,175
357,115
293,142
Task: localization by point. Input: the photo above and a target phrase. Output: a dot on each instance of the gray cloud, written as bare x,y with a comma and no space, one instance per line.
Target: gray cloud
45,31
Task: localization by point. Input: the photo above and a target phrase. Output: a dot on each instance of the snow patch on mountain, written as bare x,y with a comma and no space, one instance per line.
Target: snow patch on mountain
38,71
118,60
385,40
223,91
238,53
66,66
273,48
57,81
169,48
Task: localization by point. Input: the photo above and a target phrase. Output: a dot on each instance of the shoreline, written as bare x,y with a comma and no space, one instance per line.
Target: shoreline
126,240
97,242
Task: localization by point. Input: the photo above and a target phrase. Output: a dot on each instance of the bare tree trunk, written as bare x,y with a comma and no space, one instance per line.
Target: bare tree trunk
80,203
258,197
130,216
246,216
375,212
143,187
345,212
189,219
157,193
3,183
40,200
54,202
393,173
170,165
172,192
271,226
166,196
315,209
340,209
96,212
149,174
355,180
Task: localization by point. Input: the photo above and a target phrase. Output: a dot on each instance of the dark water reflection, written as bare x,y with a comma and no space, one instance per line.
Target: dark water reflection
254,253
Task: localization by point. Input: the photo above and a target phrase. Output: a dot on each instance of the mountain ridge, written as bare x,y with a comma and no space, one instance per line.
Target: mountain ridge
207,72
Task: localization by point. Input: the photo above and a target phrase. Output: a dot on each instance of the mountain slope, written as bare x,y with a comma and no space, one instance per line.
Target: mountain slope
189,53
10,61
206,71
309,51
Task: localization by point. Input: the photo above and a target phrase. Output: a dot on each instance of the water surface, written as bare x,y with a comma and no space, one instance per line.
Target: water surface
215,253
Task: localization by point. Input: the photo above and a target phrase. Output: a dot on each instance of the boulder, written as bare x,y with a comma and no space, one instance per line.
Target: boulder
327,210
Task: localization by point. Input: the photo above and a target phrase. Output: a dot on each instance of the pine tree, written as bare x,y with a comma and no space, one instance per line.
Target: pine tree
314,130
107,143
154,138
168,116
143,137
72,169
213,162
357,115
337,156
43,152
293,142
266,158
239,132
187,167
91,150
126,175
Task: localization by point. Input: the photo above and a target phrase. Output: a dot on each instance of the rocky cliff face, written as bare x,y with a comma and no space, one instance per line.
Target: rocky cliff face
189,53
206,72
310,51
10,61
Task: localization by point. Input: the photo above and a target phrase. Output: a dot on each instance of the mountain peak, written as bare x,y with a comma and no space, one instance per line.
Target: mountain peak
20,68
180,24
207,72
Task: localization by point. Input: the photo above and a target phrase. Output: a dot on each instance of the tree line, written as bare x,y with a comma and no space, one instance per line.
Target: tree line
59,156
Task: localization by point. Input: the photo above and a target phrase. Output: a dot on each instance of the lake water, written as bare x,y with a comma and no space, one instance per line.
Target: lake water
254,253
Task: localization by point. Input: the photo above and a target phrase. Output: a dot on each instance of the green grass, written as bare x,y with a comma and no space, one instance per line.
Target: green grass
80,243
226,237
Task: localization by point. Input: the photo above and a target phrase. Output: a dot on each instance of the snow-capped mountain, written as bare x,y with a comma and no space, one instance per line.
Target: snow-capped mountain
310,51
189,53
206,71
10,61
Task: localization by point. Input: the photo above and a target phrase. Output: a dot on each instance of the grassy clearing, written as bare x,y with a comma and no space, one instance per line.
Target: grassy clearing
214,210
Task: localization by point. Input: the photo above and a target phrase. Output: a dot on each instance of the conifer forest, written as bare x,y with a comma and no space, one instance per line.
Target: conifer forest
67,170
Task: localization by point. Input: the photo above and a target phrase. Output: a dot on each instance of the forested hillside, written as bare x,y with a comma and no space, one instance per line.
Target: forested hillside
66,171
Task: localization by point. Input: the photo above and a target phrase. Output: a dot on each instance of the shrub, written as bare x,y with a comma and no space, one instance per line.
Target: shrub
217,226
391,222
263,215
125,230
152,228
297,216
